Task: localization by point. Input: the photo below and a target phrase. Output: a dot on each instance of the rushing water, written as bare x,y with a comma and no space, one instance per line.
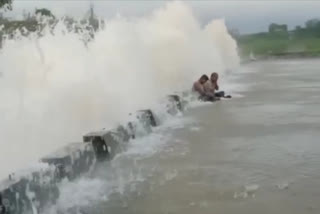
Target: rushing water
54,88
256,153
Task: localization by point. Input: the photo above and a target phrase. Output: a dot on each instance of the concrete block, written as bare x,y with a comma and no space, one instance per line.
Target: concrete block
176,101
106,143
146,117
20,195
71,161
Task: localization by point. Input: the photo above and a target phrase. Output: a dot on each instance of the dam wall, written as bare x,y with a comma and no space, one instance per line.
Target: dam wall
29,191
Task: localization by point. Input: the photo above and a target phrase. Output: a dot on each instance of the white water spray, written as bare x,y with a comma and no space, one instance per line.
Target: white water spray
54,89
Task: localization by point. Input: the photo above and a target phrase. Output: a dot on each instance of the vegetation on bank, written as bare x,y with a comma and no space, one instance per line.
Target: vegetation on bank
279,41
6,4
42,18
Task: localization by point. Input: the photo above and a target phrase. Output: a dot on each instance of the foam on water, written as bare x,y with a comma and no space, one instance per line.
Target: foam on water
54,88
83,192
120,176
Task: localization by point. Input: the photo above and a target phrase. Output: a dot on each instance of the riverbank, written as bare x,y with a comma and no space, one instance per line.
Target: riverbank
299,43
281,56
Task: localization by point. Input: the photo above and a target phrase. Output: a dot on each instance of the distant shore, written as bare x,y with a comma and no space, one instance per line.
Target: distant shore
284,55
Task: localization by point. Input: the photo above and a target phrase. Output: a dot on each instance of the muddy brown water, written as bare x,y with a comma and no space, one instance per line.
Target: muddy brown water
259,153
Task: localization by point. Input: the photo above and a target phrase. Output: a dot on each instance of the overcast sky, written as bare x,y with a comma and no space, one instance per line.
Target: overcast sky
247,16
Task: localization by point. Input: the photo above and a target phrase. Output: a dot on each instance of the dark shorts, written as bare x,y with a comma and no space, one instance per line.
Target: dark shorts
219,94
216,97
208,98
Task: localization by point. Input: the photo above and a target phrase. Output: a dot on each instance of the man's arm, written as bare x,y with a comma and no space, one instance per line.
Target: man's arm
216,86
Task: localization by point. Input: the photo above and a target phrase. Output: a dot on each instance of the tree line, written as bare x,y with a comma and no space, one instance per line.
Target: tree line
43,18
32,21
311,27
6,4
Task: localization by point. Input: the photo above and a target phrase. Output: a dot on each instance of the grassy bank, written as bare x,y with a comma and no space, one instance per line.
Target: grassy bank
263,45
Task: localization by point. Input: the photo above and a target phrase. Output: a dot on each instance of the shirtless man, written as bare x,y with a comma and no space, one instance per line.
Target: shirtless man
198,87
212,85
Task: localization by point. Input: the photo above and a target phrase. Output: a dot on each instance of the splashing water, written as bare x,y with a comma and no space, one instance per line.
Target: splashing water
54,89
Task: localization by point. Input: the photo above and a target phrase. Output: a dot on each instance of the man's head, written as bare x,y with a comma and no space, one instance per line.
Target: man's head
214,77
203,79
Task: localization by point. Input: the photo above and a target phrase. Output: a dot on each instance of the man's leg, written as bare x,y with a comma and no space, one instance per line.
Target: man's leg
206,98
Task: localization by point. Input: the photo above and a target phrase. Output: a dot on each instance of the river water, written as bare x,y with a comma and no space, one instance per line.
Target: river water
256,153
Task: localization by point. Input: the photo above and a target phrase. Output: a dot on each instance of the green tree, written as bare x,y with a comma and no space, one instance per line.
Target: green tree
44,12
312,24
273,28
313,27
6,4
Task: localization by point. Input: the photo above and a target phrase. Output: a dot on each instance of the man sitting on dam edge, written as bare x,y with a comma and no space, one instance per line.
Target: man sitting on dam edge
198,87
212,85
